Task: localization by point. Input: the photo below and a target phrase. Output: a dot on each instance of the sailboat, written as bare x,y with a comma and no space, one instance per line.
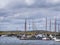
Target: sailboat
57,38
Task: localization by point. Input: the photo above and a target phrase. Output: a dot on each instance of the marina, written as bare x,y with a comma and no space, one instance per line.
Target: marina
16,41
34,34
29,22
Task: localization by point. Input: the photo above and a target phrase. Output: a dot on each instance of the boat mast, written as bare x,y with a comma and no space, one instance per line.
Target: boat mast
25,27
58,27
33,27
55,26
50,25
46,23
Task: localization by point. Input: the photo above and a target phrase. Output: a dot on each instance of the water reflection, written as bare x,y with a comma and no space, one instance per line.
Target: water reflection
16,41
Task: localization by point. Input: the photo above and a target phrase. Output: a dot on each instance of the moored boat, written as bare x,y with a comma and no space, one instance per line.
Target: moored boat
3,35
57,38
45,38
0,35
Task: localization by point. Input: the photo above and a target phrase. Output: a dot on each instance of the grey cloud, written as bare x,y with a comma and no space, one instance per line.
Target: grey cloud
18,9
15,4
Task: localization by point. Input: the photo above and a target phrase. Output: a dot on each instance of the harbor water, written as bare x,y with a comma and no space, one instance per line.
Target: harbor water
17,41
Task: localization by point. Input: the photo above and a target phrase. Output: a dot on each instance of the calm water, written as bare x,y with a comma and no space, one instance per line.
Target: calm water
15,41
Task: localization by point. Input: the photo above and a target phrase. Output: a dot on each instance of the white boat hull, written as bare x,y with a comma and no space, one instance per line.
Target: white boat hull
58,40
45,38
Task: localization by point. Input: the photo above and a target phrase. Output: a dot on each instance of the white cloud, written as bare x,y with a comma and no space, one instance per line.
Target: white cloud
4,3
1,18
4,23
30,2
27,3
53,1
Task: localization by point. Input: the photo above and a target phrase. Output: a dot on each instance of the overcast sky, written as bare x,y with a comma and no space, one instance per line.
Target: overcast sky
13,13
